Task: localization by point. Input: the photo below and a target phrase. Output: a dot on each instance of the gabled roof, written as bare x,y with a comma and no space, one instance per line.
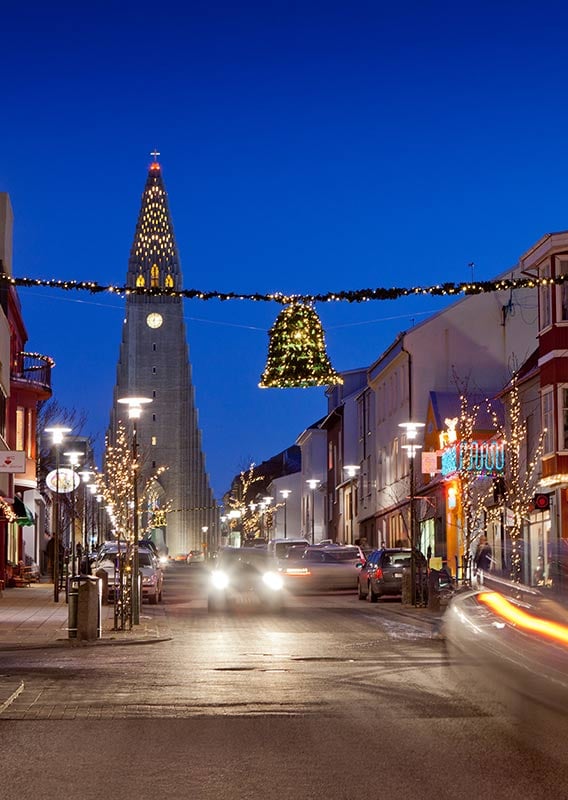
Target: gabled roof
446,405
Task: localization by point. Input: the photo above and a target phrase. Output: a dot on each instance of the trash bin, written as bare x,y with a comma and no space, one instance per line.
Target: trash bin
84,621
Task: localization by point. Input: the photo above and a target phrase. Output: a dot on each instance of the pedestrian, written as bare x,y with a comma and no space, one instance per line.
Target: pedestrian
483,555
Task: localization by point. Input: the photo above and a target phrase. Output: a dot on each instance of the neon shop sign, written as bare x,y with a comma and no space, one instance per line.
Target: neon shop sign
483,458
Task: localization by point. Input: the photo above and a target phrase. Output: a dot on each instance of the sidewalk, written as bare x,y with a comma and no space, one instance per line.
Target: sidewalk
29,619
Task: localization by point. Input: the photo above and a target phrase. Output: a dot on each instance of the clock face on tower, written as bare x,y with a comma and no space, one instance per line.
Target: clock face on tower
154,320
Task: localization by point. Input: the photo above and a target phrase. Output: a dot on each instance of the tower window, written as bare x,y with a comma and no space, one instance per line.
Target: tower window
140,281
154,440
153,465
154,393
154,276
154,347
153,417
153,370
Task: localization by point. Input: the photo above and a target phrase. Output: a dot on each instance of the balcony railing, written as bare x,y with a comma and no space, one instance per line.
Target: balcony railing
33,368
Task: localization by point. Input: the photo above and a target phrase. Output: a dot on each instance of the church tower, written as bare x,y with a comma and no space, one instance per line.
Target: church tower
154,363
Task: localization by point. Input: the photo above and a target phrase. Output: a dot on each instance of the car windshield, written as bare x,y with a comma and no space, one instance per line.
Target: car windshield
145,559
252,557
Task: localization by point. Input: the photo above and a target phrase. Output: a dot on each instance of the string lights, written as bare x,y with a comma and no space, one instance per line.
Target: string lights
350,296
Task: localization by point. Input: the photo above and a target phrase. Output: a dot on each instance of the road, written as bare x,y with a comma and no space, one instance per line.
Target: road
333,699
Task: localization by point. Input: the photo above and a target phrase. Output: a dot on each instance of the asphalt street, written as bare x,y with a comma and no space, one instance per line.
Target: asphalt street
335,698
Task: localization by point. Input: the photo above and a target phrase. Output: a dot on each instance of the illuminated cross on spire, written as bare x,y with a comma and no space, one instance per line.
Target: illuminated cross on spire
155,153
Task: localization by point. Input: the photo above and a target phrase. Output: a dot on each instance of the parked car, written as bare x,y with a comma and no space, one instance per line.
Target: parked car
316,568
149,567
243,574
382,572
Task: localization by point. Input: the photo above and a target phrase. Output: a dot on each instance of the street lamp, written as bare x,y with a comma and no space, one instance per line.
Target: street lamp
57,435
412,429
285,494
73,456
313,483
204,531
350,511
134,412
85,475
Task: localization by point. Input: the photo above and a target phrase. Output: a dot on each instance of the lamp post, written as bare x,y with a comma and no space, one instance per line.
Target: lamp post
285,494
134,405
57,435
205,531
73,456
85,475
313,483
412,448
351,470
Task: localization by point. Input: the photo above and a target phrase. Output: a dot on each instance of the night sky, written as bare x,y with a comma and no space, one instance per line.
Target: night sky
305,147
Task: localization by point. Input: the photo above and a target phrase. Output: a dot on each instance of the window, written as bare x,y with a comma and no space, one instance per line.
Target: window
548,420
169,282
544,296
153,417
154,276
140,281
30,436
154,393
562,293
20,428
154,440
154,346
154,370
564,417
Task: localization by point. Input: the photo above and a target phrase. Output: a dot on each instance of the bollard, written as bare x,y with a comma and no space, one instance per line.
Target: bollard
102,575
406,599
73,597
434,590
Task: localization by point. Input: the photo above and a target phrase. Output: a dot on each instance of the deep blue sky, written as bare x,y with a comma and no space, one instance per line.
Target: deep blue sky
305,147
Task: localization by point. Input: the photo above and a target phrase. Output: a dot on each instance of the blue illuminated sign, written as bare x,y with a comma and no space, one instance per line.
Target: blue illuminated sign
484,458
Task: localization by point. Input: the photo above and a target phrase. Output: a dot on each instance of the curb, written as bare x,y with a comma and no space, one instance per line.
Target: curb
72,643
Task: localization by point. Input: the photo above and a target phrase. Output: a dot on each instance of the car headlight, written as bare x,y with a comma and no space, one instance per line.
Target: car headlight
272,580
148,580
219,579
163,559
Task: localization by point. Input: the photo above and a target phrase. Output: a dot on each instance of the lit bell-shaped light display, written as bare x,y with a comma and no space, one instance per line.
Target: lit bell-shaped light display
296,351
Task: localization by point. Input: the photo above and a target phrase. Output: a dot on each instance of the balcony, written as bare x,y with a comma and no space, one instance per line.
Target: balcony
32,372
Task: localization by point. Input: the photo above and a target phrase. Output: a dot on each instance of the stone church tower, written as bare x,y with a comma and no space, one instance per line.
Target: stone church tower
154,363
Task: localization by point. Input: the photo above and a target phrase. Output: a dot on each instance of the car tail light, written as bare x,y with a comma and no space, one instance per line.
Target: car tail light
378,574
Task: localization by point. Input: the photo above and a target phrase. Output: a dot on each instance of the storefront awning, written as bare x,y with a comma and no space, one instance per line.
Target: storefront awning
24,515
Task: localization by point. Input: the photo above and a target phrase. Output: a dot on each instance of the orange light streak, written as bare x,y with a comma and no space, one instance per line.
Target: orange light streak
501,606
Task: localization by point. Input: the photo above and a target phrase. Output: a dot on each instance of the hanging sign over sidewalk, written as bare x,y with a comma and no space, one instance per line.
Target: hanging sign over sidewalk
62,480
12,461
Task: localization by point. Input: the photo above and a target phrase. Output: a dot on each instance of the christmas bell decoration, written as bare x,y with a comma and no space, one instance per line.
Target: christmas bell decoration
296,351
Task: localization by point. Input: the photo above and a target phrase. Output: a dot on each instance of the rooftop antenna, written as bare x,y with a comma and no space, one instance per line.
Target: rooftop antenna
471,265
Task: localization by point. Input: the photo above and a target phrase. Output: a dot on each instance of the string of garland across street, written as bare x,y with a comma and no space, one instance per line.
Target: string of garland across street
350,296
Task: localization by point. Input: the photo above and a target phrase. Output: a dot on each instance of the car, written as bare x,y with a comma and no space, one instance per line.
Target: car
195,557
512,638
181,557
245,574
321,568
381,574
152,579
